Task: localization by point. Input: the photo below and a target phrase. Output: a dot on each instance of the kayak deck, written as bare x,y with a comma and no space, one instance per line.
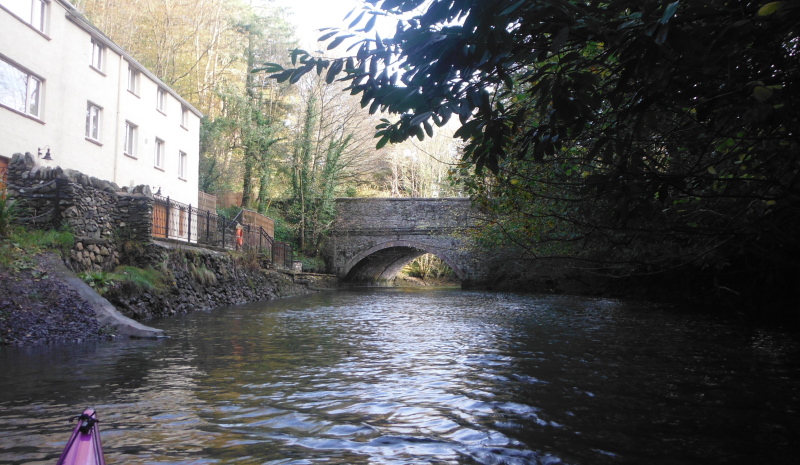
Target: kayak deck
84,446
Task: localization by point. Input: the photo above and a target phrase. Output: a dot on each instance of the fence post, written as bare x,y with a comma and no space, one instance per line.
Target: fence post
166,221
208,227
189,225
56,204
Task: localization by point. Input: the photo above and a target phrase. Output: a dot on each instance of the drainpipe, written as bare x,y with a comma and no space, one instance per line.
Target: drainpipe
121,72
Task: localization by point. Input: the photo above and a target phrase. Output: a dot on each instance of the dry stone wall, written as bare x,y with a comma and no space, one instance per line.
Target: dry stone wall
99,213
203,279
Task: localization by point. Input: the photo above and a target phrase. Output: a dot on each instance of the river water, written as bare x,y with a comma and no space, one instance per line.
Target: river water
404,376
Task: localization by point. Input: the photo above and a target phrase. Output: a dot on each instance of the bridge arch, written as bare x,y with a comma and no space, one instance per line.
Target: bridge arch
384,261
373,238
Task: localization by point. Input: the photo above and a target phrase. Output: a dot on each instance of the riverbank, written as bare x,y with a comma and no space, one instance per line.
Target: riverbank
37,306
39,303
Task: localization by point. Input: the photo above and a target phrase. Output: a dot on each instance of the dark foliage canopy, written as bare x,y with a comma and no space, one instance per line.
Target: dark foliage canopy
675,118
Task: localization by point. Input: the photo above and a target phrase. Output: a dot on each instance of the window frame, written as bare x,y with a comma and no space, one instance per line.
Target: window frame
159,153
35,16
98,56
184,117
42,18
161,100
183,165
129,143
133,80
93,134
29,93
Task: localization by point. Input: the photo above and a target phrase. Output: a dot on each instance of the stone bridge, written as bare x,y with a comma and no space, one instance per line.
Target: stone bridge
374,238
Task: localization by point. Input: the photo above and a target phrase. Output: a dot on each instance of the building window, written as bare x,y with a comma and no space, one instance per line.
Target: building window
130,139
184,117
93,121
20,90
33,12
161,100
133,80
159,154
98,55
182,164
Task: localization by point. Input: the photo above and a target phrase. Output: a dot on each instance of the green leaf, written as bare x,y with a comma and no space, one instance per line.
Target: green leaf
769,8
296,53
269,68
513,7
420,118
337,41
382,142
669,12
333,71
327,36
560,40
283,76
370,24
428,128
762,93
357,20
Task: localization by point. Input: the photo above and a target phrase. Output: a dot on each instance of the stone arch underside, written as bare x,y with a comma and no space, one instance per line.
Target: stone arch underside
384,261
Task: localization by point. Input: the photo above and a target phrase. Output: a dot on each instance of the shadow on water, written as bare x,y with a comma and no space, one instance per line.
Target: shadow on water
414,375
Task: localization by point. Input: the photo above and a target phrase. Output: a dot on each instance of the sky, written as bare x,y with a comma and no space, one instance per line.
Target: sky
311,15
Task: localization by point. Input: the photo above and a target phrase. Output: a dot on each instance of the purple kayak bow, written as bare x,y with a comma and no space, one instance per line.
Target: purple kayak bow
84,447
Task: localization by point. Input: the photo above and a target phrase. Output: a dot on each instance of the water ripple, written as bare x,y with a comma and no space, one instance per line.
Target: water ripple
417,377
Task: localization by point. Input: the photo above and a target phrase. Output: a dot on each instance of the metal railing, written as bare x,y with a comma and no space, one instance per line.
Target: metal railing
178,221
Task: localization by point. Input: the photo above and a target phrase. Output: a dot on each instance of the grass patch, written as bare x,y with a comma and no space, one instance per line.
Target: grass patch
126,280
203,275
8,213
20,246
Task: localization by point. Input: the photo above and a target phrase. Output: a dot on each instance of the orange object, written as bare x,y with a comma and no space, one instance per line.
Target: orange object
239,237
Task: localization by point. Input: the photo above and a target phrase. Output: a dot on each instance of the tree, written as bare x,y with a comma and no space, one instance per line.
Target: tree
424,168
190,45
649,134
330,153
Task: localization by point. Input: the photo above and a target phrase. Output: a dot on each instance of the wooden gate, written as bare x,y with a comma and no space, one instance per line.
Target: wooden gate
3,172
159,220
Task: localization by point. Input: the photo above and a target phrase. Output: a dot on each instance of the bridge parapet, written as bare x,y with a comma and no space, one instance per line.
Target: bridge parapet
402,213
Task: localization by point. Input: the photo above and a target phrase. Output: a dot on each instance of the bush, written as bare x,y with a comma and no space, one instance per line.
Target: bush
427,266
8,213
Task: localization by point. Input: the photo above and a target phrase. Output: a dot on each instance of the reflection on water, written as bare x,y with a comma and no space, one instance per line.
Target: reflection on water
417,376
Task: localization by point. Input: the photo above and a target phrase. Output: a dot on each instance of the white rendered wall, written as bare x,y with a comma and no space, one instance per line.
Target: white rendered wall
62,58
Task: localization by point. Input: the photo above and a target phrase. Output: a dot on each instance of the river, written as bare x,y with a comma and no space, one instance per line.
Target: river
405,376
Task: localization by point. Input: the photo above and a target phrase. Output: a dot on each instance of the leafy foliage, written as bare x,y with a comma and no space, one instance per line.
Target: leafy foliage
126,280
8,213
427,266
645,134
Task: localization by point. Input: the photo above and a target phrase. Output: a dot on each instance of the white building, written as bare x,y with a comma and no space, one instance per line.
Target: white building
67,88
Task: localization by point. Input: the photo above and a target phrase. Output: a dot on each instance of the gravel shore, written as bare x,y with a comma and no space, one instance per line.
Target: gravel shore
37,307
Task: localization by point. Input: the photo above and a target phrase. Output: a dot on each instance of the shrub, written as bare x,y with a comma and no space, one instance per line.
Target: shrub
8,213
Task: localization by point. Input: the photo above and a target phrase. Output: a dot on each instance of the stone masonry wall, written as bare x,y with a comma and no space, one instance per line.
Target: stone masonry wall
100,214
203,279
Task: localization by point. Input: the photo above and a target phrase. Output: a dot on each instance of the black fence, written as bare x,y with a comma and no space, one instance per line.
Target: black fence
178,221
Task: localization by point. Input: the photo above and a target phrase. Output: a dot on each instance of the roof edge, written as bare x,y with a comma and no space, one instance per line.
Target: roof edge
81,21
